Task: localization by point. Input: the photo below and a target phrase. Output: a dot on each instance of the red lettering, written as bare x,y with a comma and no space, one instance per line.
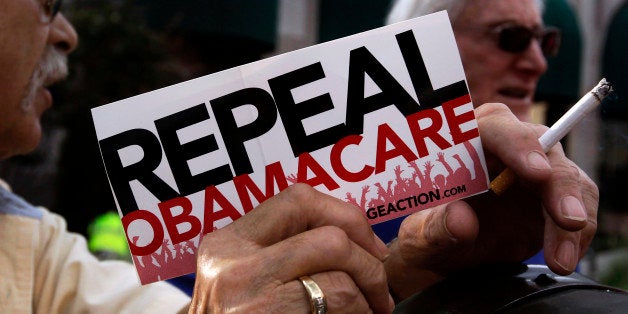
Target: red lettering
244,184
455,121
306,161
419,135
384,135
227,210
275,173
172,222
336,160
153,221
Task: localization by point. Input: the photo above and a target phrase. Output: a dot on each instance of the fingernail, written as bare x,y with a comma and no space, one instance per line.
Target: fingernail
446,225
565,255
537,160
451,236
572,209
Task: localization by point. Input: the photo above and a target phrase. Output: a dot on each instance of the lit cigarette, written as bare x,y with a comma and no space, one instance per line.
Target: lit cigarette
585,105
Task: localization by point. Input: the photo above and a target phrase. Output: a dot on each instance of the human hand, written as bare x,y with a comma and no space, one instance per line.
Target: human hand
428,167
441,157
292,178
253,264
366,189
552,206
398,171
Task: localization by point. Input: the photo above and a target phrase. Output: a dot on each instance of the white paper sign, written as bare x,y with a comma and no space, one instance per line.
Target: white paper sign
381,119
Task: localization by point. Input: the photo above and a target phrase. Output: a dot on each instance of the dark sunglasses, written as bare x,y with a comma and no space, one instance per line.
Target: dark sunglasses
517,38
51,8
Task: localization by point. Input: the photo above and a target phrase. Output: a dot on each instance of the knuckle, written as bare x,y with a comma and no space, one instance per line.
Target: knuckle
534,131
590,190
566,174
343,292
335,240
489,109
575,171
352,217
222,279
286,298
432,231
409,239
376,273
299,192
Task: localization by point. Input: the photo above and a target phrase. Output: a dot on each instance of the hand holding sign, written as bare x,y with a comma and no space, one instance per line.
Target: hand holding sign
255,262
553,206
189,159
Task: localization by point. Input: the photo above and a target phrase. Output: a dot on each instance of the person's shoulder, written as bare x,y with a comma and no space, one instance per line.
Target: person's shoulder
12,204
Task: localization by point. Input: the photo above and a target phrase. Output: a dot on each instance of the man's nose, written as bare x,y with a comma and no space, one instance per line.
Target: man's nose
532,59
62,34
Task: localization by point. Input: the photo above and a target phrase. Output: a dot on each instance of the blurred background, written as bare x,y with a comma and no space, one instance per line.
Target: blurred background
129,47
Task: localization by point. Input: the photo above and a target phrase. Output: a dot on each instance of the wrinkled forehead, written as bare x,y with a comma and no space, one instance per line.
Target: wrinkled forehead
495,12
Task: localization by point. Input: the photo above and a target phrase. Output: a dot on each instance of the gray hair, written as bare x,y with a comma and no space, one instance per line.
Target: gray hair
52,67
406,9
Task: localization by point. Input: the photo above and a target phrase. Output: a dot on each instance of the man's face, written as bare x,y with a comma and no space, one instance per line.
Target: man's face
495,75
32,56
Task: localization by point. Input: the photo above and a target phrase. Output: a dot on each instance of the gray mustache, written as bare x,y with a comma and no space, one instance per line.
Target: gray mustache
53,67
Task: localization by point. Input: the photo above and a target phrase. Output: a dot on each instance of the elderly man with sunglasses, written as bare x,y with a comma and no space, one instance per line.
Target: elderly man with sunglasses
301,250
503,45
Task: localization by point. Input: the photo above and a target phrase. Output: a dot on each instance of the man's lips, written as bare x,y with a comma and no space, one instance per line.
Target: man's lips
46,99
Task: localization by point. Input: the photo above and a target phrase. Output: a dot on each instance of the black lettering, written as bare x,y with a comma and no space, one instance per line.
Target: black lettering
435,195
142,171
362,62
399,204
292,115
380,210
178,154
391,208
428,97
423,198
371,213
235,136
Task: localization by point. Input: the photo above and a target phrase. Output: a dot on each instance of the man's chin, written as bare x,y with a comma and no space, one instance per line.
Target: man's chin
28,140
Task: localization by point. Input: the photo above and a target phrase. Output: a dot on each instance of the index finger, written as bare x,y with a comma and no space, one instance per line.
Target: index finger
513,142
300,208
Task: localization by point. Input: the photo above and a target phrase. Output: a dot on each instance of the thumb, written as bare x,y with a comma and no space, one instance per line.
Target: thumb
429,239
